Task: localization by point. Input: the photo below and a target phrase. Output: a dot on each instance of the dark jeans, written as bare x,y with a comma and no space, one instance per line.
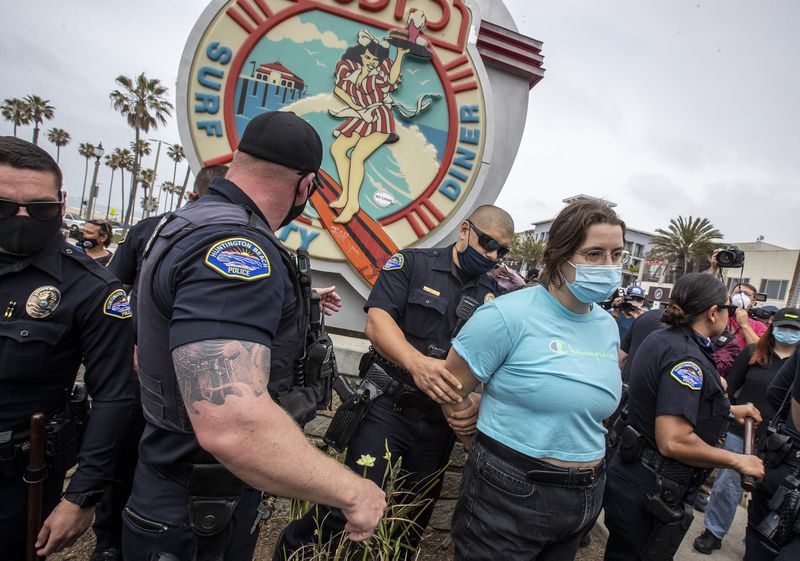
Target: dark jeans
108,516
424,441
156,520
500,514
757,511
13,512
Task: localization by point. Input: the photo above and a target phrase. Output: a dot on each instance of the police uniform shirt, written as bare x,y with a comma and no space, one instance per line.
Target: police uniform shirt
127,260
60,309
675,375
421,289
206,300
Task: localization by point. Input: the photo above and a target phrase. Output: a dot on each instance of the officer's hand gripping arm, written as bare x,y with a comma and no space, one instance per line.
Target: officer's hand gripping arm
468,382
430,374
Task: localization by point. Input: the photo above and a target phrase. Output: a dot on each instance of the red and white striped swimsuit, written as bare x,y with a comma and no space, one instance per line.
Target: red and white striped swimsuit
370,96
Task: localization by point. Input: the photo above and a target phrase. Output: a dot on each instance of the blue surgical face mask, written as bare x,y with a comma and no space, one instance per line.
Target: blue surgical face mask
473,264
594,283
786,335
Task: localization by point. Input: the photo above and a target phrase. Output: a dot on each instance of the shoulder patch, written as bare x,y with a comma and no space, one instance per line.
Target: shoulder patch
238,258
117,306
688,374
395,262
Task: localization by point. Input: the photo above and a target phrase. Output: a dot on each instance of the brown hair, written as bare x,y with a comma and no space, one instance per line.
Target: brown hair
105,230
568,232
762,353
746,285
691,297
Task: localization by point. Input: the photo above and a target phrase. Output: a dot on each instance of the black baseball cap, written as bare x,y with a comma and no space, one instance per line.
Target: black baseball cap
283,138
787,317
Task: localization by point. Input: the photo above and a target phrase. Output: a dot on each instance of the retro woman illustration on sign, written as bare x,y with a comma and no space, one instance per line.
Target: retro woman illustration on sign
363,80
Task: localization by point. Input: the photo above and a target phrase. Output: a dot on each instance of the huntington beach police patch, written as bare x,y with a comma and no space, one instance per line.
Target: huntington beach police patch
117,305
395,262
688,374
238,258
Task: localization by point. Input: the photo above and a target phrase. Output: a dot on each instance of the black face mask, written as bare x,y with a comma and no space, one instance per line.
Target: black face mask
23,235
297,210
89,242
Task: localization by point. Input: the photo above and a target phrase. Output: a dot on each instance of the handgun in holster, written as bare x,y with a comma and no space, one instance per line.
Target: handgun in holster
64,431
672,519
352,411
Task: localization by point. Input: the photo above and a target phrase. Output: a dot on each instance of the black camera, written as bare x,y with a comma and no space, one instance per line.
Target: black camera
760,313
731,257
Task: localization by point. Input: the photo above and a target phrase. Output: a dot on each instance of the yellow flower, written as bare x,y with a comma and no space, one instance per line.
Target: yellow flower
387,456
366,460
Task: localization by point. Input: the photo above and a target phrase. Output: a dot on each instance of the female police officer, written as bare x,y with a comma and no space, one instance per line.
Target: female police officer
678,412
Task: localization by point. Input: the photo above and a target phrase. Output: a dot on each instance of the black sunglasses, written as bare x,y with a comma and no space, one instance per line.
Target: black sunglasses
40,210
730,307
489,243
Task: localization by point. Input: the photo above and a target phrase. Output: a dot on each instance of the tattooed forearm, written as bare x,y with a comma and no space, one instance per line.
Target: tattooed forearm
212,370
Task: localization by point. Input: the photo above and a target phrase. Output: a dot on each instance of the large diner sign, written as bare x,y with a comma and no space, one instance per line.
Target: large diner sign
395,89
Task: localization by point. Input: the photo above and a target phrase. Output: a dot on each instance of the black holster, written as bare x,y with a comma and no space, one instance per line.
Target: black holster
672,517
214,493
352,411
631,444
782,522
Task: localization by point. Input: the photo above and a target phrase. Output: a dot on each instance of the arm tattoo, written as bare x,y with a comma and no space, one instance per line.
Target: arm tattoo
214,369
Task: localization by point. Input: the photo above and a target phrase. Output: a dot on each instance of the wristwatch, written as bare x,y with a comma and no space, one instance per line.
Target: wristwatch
84,500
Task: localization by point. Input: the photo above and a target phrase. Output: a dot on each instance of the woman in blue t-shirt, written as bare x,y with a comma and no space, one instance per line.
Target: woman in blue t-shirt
547,357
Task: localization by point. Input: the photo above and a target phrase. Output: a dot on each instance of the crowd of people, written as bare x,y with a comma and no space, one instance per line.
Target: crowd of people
199,377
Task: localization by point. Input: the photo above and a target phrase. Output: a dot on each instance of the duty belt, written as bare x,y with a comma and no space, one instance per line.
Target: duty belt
402,394
667,467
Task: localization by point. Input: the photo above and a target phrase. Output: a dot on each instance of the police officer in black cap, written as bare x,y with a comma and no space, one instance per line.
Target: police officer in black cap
220,319
60,308
678,411
125,265
413,312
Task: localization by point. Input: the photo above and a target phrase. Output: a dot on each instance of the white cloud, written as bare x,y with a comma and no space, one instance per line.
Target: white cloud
299,32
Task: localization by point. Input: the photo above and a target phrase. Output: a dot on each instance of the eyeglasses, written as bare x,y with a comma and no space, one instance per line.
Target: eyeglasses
598,256
489,243
40,210
730,307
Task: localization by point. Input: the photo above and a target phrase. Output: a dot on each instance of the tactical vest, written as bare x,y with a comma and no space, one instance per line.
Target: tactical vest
162,402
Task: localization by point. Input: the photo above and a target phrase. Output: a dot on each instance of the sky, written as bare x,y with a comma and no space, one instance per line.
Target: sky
665,107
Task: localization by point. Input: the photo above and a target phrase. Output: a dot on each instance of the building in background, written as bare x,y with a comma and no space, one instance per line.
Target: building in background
772,269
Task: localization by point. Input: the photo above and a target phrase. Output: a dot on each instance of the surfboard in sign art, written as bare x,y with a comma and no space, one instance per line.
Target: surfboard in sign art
395,89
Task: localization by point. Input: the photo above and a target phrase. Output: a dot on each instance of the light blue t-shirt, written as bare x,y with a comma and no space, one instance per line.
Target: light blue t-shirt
551,376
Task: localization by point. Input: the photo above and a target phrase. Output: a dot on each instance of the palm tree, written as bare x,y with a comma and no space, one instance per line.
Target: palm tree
60,138
141,101
86,150
112,161
16,111
526,250
166,188
39,110
146,177
176,154
125,160
686,242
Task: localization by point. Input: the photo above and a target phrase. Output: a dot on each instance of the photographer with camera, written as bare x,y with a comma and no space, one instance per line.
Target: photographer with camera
628,307
773,524
751,375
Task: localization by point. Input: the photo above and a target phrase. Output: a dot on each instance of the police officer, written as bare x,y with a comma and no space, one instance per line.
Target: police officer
125,265
59,308
412,314
220,318
771,528
678,411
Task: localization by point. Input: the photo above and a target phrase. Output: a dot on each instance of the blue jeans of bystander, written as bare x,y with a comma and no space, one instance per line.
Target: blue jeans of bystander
725,493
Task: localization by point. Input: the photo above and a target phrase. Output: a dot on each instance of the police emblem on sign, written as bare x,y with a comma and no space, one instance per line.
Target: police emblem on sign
688,374
117,305
238,258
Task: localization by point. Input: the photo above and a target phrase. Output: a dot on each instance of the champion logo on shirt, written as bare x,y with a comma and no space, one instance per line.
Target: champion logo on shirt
558,346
